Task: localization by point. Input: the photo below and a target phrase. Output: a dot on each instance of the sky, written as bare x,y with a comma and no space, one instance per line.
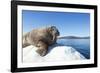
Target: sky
68,23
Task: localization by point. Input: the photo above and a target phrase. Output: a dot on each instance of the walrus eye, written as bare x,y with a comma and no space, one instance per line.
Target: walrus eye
53,28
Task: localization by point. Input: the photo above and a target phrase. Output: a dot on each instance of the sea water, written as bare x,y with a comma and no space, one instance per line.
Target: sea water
81,45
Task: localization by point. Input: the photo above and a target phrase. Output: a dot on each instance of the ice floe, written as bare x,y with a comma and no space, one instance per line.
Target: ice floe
56,53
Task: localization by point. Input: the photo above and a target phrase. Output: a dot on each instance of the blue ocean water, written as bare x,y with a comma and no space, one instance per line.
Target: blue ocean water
81,45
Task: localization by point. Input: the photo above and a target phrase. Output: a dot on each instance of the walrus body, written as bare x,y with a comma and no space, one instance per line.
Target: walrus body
41,38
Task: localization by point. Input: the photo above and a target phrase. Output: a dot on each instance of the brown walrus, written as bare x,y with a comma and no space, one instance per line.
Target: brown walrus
41,38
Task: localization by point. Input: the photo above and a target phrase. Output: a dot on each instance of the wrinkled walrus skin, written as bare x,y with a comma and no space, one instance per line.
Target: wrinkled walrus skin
41,38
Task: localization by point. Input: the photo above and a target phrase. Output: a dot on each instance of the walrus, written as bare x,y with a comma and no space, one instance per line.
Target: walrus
41,38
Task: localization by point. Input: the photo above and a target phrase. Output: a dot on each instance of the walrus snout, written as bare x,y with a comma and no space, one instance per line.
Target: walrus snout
57,33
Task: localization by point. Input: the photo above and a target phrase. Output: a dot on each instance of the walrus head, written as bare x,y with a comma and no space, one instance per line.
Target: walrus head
54,30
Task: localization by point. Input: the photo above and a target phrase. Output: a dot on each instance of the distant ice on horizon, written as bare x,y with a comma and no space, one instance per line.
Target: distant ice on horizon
55,53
